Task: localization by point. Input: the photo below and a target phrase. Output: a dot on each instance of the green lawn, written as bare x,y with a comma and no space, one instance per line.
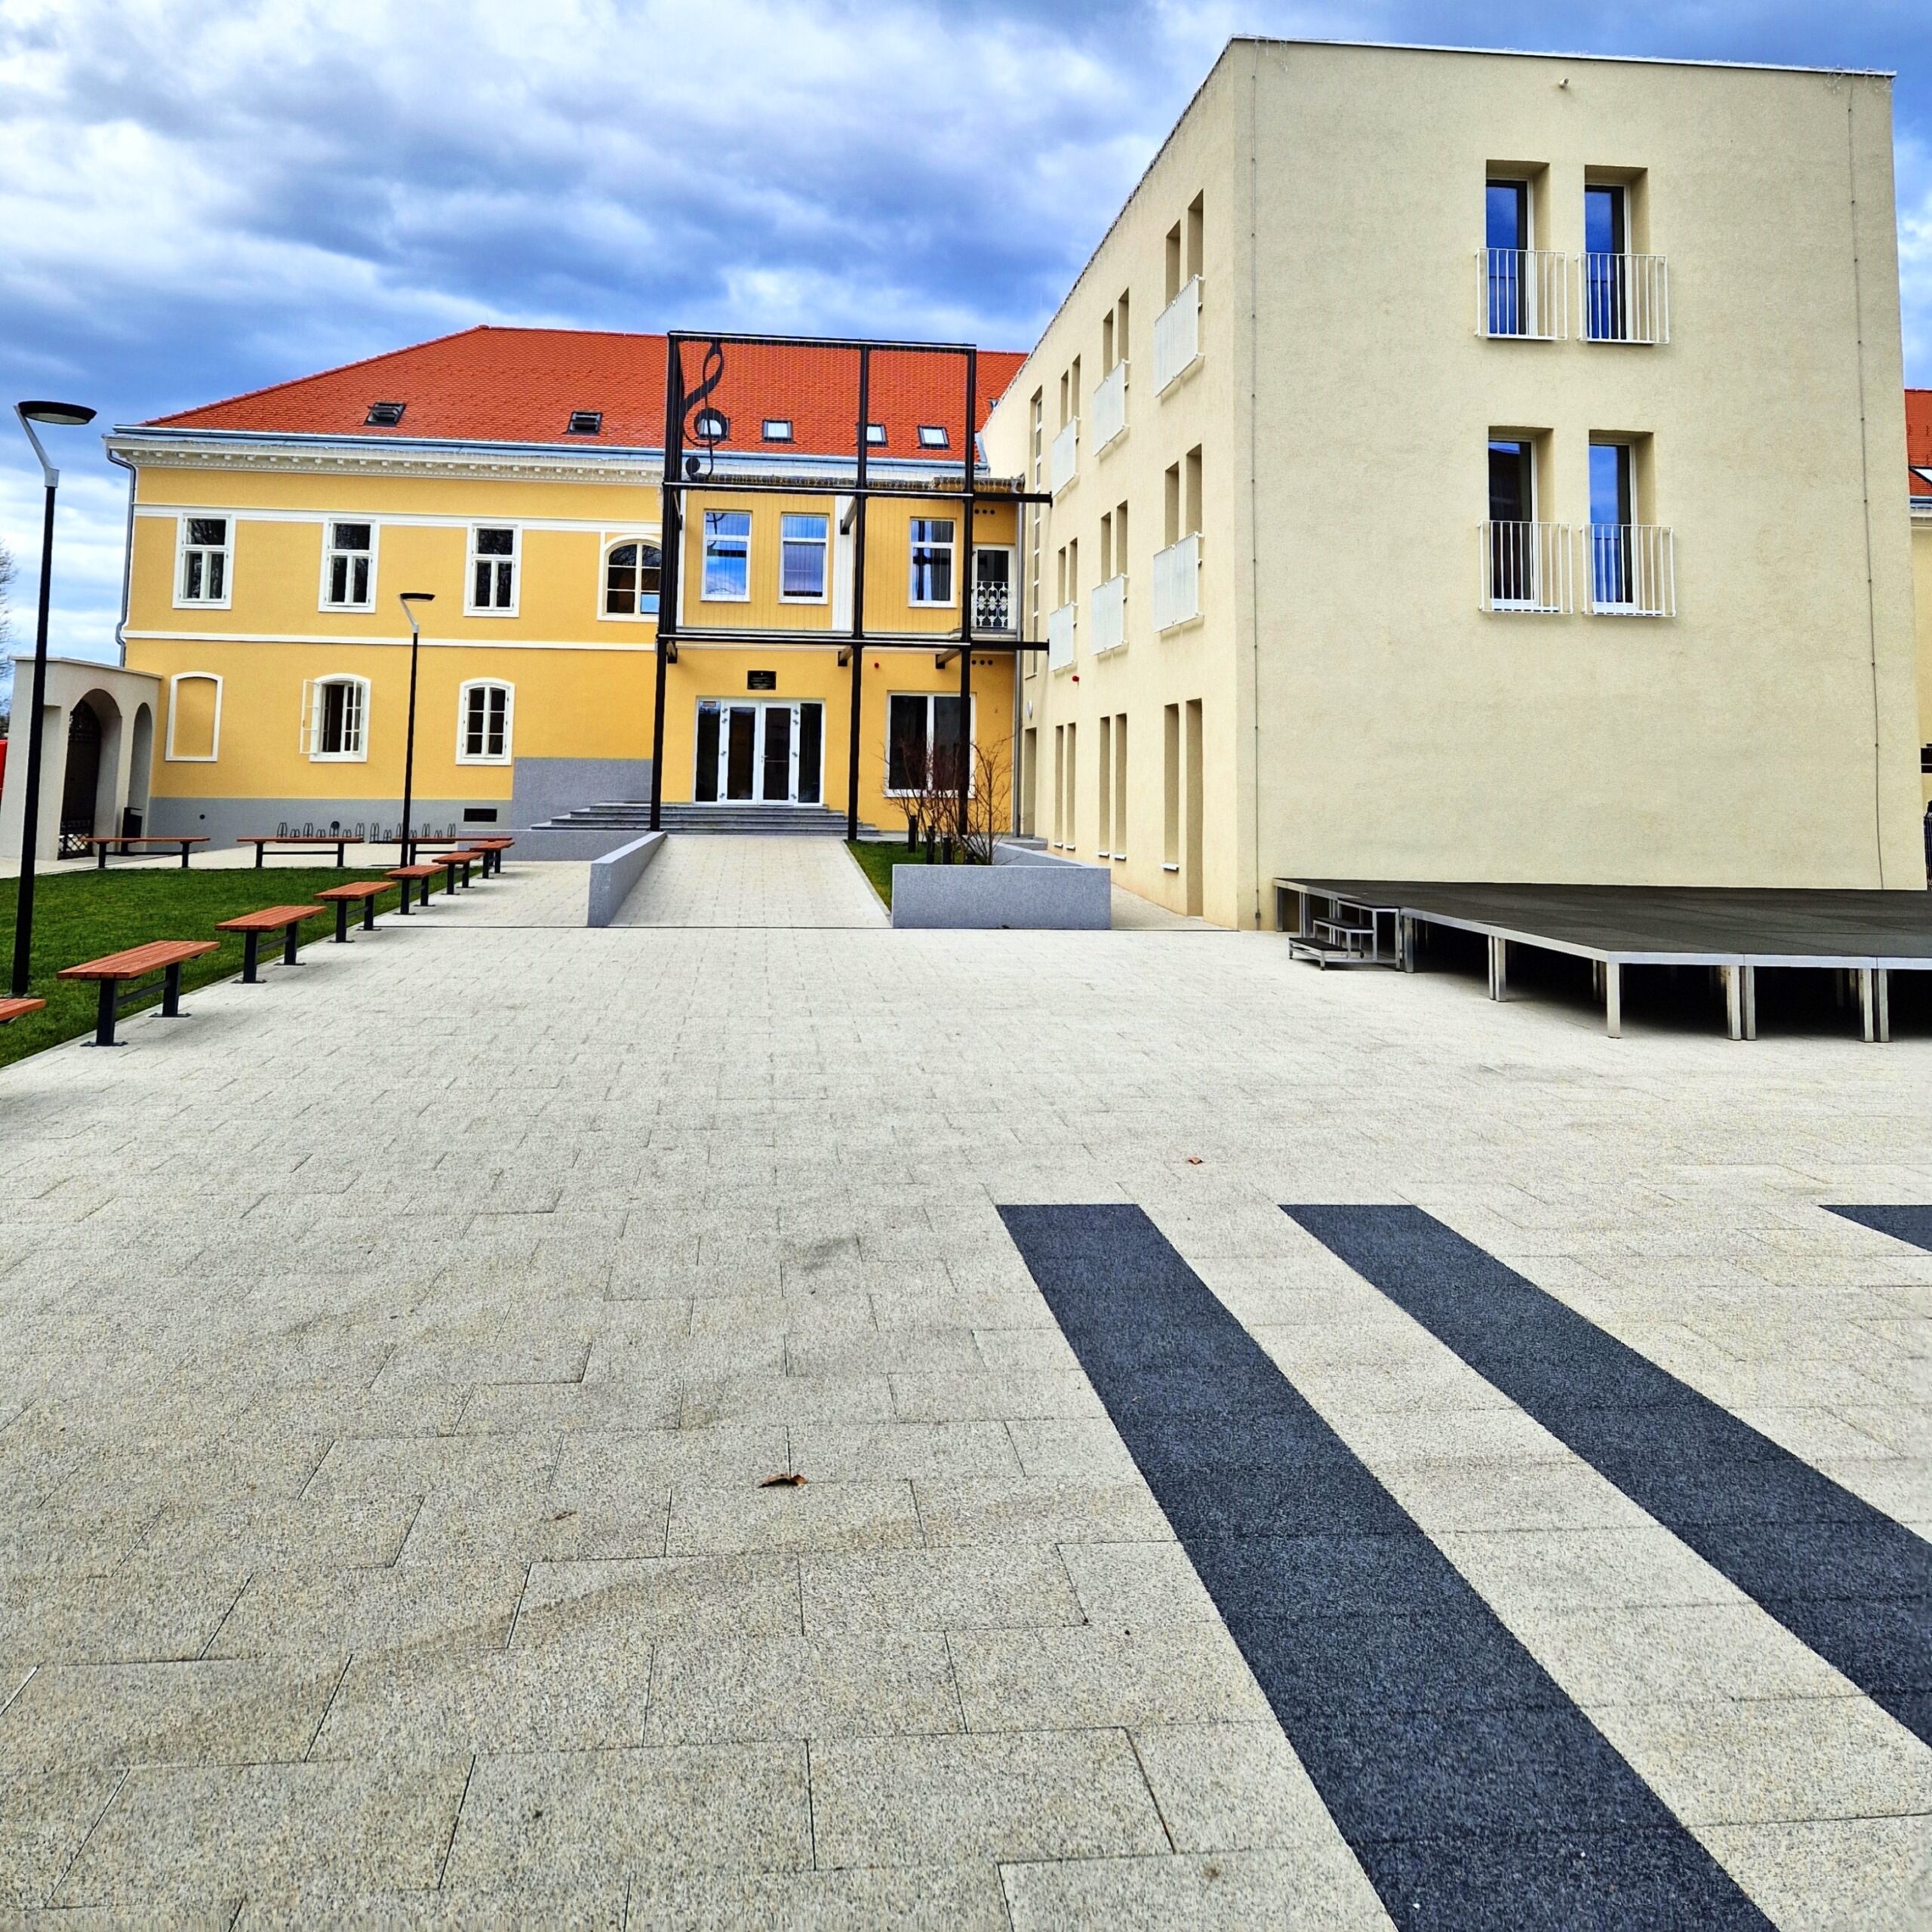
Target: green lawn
80,914
876,857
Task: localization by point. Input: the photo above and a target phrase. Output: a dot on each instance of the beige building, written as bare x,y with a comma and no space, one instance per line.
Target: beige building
1475,466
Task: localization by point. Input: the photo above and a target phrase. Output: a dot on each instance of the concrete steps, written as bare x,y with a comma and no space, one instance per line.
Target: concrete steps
632,817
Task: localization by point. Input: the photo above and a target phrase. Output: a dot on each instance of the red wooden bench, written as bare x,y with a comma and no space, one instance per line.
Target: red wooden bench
366,890
18,1009
165,956
286,920
298,842
406,873
101,842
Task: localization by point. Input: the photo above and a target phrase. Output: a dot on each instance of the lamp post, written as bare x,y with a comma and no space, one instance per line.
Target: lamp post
65,416
408,600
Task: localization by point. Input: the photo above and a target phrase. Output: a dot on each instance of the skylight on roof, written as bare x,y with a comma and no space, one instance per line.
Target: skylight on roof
778,429
384,415
876,432
586,423
932,436
711,427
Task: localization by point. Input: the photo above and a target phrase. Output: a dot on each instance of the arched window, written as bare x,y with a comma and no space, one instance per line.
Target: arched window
194,717
335,717
630,579
483,711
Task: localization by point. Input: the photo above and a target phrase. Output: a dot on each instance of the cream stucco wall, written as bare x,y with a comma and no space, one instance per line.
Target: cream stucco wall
1363,715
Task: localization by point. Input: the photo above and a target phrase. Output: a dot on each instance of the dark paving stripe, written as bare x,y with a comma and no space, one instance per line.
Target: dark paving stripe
1842,1577
1474,1792
1911,1224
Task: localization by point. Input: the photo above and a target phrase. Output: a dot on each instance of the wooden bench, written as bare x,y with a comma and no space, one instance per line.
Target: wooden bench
493,850
286,920
18,1009
406,873
101,843
462,861
304,842
367,891
165,956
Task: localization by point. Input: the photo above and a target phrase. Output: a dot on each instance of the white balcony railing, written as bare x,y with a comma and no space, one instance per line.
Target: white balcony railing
1110,407
1526,566
1626,298
1177,583
1109,615
1059,636
1177,336
993,605
1523,293
1066,457
1630,569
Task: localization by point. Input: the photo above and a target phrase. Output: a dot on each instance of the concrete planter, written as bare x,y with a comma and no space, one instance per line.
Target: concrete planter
614,875
1034,892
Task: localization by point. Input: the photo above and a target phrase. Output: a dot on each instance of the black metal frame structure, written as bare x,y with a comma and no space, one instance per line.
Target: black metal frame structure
682,475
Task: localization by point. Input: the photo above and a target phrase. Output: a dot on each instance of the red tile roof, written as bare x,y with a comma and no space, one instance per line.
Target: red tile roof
1918,427
521,385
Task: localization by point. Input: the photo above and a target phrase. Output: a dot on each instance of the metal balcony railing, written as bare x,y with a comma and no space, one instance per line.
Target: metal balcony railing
1109,615
1626,298
1059,636
1526,566
1110,407
992,607
1523,293
1177,583
1631,570
1064,461
1177,336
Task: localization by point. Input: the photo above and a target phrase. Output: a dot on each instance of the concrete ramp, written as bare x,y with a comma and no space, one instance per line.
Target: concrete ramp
723,881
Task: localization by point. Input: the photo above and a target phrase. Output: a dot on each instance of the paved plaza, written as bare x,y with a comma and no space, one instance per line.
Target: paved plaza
395,1357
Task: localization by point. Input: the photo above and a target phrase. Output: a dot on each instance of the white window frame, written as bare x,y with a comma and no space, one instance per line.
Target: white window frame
212,755
471,608
225,550
927,697
934,436
650,541
950,547
507,754
776,430
824,547
329,553
705,594
312,719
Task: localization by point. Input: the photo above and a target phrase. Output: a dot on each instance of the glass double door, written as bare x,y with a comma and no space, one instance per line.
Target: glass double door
759,751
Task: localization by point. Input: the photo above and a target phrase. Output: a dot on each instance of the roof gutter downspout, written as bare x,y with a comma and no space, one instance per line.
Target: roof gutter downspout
127,560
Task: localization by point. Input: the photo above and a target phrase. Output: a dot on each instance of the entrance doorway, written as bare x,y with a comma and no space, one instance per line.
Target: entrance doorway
82,781
759,751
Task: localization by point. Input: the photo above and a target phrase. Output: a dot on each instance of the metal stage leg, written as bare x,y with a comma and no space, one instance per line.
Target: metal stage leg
1733,1000
1867,1007
1750,1001
1499,968
1884,976
1613,999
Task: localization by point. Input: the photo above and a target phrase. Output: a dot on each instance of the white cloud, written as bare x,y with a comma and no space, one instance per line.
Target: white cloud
202,199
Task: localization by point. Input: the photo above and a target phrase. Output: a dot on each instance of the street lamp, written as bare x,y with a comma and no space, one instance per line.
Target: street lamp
407,599
64,416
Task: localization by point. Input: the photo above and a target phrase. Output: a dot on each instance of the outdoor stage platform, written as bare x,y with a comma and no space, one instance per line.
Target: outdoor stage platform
1738,933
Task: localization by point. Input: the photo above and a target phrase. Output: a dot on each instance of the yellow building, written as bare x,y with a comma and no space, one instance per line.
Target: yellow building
515,476
1476,467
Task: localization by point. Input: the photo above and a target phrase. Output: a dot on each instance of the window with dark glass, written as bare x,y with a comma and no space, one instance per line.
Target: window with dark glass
350,550
630,580
384,415
1512,512
1611,515
586,423
1507,235
1606,265
802,547
205,560
493,568
932,560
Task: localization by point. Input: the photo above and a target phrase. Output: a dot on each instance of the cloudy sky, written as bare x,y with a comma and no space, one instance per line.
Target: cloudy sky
201,196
